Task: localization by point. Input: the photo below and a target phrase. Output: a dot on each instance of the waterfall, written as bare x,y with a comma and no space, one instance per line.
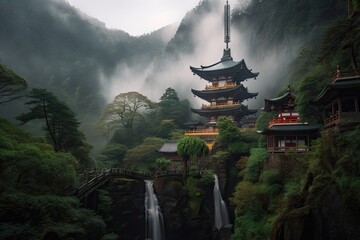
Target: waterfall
154,224
221,213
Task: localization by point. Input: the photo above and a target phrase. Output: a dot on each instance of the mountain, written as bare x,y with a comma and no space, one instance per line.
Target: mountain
55,46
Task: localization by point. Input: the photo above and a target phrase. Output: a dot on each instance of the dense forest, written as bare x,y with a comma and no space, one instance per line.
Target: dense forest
67,105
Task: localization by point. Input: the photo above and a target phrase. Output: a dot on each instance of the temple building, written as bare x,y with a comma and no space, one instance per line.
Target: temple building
225,92
340,101
169,151
286,132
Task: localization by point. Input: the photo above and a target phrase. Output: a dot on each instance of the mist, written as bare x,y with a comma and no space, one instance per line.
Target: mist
206,44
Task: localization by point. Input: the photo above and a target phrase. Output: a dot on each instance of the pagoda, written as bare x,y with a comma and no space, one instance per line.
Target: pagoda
286,132
225,92
339,101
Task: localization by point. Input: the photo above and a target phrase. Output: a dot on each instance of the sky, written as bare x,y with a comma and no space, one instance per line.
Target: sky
136,17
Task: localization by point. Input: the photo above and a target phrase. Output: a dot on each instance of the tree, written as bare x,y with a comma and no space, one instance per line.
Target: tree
344,34
123,111
171,108
144,153
190,146
12,86
61,124
230,136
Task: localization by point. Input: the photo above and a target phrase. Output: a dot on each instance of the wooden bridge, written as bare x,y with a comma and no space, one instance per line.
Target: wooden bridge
90,181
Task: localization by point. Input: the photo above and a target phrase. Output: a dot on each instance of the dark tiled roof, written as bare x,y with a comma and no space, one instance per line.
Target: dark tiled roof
225,67
291,128
239,93
169,147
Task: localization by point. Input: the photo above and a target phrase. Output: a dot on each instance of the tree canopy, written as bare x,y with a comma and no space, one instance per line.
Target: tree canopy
189,146
12,86
123,111
61,124
230,136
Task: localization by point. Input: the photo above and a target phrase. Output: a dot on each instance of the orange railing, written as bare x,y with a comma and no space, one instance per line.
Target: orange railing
201,131
220,105
211,87
343,74
283,121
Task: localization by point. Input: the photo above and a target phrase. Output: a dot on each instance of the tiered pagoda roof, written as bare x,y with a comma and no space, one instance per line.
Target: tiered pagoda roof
284,102
238,93
237,111
226,92
344,83
223,69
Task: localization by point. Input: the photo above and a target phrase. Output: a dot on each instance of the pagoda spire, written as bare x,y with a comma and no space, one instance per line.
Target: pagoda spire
227,24
227,51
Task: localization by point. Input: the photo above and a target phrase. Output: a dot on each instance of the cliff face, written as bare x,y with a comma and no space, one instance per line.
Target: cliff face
327,205
187,208
323,215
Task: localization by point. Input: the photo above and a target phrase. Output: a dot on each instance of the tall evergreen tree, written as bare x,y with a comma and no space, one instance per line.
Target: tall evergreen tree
61,124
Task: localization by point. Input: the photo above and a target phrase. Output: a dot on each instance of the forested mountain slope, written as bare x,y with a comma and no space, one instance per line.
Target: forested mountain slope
55,46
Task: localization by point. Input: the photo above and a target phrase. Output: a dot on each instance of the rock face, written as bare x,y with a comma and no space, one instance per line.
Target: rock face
323,216
127,209
174,202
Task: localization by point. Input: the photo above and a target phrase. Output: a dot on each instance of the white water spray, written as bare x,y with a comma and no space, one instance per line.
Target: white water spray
154,224
221,212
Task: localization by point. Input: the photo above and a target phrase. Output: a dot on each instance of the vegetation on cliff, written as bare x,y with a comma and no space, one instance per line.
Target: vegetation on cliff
35,184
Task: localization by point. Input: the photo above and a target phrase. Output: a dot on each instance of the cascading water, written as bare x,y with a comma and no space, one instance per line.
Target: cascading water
221,213
154,224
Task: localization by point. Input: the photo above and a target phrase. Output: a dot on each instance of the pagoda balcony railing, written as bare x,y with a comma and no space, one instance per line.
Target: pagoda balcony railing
220,105
332,121
288,149
281,121
201,131
344,74
227,85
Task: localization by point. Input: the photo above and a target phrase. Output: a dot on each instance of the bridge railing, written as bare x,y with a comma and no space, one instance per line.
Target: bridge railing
88,180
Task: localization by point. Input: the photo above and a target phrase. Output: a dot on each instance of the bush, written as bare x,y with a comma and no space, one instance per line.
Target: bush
270,177
254,164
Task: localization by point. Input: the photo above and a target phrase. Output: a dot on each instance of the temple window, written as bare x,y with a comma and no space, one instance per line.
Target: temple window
348,105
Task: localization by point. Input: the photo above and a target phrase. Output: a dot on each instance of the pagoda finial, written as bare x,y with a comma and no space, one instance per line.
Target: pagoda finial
227,24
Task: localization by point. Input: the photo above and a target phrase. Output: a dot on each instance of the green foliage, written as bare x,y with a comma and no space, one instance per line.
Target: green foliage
263,120
12,86
124,110
255,163
230,136
195,194
35,181
114,152
61,125
104,204
145,153
251,201
29,164
191,146
207,178
162,164
270,177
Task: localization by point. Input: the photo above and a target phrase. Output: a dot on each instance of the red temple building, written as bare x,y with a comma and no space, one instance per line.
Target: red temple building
286,132
225,92
340,101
